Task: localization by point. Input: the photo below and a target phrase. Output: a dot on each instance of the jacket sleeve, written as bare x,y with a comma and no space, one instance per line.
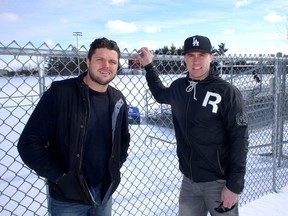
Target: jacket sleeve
158,90
236,124
34,139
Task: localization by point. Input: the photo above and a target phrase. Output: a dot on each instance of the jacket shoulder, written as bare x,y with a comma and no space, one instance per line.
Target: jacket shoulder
63,86
66,82
115,93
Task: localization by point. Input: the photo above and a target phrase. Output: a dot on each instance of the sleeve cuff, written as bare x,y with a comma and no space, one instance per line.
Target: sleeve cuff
149,66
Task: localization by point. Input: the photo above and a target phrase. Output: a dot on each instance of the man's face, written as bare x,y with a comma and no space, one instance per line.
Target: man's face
102,68
198,64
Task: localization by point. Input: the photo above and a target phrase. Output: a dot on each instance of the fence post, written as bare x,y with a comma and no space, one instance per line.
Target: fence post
276,136
282,93
261,69
41,74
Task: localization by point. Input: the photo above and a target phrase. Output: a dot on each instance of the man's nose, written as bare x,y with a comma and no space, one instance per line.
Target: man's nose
105,63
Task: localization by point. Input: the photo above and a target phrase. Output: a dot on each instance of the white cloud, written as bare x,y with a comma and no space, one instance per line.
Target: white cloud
9,17
115,2
126,45
229,31
152,29
273,18
118,26
241,3
148,43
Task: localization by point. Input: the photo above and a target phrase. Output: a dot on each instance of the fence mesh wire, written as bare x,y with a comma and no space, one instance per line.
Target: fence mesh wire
150,176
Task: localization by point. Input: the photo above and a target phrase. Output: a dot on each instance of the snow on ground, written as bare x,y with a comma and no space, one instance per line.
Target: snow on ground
273,204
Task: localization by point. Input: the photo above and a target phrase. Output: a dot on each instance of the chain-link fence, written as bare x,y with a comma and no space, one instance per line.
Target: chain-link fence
150,176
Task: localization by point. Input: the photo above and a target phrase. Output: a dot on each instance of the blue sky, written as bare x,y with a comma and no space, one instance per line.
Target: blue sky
245,26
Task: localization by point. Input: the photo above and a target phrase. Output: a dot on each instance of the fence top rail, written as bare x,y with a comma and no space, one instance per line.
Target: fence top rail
24,51
40,52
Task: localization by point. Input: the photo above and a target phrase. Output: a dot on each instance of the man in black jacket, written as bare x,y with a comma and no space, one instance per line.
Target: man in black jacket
211,130
77,137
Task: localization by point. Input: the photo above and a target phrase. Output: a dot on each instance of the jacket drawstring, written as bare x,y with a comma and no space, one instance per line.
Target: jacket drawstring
191,86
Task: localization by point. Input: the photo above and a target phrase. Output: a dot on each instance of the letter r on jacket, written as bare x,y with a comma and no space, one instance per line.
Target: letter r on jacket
213,99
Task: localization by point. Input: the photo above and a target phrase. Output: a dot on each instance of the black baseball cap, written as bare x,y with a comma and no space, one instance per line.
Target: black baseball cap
197,43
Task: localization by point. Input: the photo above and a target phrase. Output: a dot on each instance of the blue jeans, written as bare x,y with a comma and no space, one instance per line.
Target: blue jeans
197,199
60,208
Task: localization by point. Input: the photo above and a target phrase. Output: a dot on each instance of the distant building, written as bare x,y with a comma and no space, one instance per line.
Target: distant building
134,64
3,72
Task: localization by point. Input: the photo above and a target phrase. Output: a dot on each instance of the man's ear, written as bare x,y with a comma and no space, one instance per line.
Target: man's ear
212,57
184,63
87,62
119,66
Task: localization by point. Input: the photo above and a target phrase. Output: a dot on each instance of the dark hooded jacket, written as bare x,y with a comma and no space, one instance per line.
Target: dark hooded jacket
52,142
210,124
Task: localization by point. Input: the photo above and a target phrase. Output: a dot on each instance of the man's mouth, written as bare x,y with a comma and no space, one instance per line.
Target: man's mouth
105,72
196,68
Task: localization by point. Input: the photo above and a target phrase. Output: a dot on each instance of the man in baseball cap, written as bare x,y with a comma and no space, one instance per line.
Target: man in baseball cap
211,128
198,56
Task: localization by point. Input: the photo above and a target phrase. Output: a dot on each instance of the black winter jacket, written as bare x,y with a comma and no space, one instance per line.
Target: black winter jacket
52,142
210,126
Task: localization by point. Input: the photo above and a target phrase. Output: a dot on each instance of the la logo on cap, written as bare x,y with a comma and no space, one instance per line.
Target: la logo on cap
195,42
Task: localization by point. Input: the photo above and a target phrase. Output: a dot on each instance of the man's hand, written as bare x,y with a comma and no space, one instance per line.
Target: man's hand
144,55
229,198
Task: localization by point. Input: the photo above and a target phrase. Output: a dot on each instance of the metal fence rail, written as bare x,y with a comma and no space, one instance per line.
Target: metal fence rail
150,176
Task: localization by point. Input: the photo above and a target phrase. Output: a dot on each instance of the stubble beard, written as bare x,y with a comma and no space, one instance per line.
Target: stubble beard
100,80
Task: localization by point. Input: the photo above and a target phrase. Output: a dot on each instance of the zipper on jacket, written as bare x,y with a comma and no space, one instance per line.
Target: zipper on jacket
86,117
85,123
94,209
187,132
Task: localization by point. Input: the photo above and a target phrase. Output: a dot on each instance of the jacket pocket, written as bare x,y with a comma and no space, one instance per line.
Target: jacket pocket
222,171
70,188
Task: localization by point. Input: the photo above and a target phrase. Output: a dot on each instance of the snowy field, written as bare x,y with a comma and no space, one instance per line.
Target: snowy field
150,176
273,204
